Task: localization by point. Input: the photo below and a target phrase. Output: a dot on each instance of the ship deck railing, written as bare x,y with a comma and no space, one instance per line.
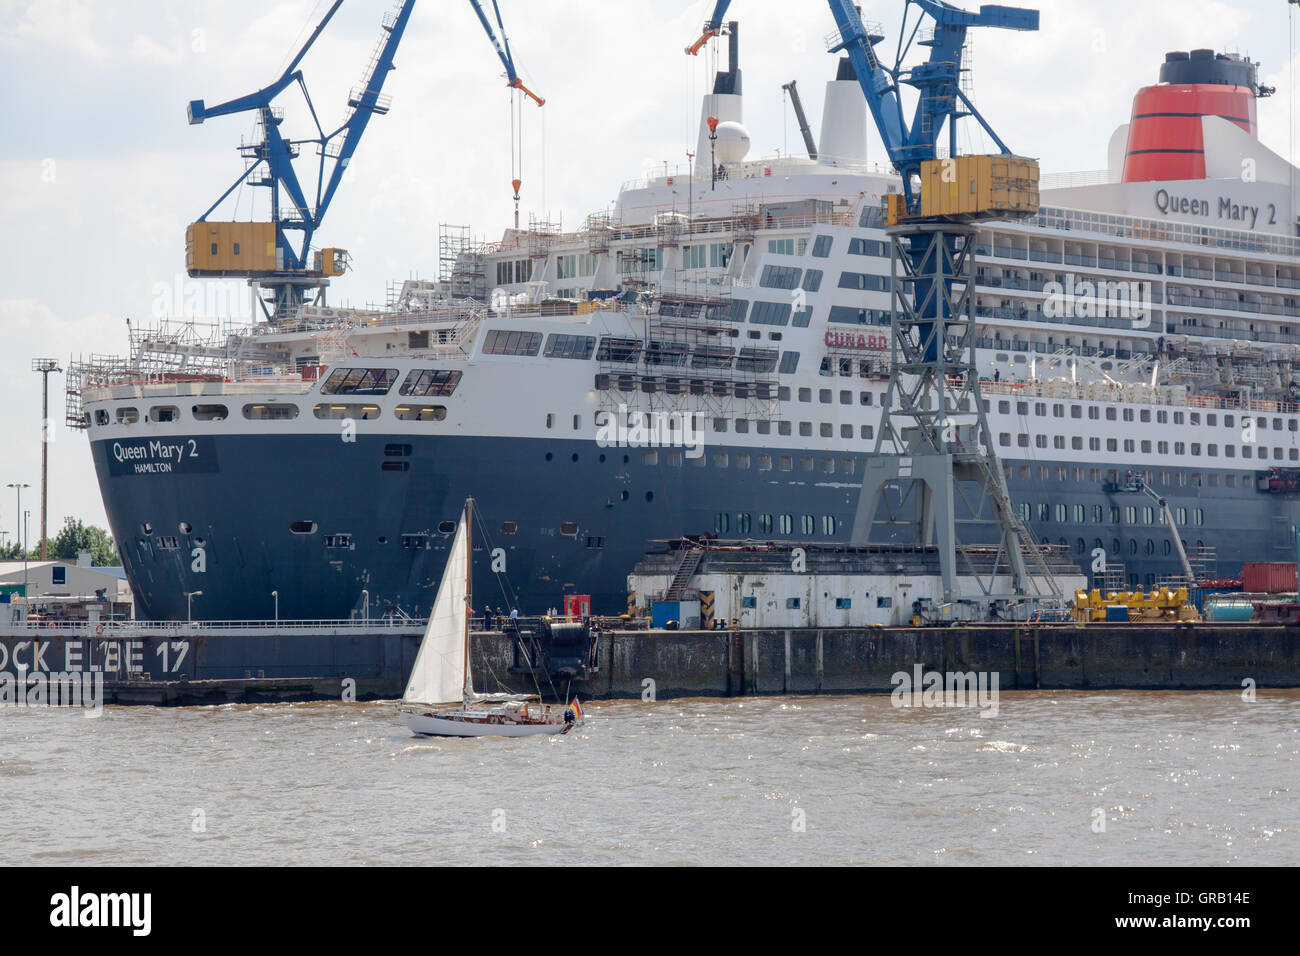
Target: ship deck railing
695,227
371,626
761,168
121,630
258,385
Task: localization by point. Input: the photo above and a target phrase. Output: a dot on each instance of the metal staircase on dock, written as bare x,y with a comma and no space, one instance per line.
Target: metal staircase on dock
690,560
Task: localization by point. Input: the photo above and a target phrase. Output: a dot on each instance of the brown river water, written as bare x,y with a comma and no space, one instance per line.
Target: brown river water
1175,778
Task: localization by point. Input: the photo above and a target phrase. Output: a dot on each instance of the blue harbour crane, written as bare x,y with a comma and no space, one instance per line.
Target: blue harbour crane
276,256
940,99
934,443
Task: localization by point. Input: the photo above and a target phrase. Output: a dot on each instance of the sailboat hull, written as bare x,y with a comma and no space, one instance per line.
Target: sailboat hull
477,724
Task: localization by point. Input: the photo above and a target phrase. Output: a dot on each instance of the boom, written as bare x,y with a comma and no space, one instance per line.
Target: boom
503,49
804,131
1138,483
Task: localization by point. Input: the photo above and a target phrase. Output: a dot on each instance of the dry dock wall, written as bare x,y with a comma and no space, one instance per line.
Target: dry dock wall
765,662
215,668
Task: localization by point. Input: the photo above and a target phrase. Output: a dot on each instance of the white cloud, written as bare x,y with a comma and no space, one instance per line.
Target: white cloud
71,25
148,50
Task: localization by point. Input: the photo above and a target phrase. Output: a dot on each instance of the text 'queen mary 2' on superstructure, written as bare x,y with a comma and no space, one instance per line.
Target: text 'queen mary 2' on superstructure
710,356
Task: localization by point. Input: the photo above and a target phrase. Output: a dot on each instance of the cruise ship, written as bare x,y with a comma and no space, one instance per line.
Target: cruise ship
710,356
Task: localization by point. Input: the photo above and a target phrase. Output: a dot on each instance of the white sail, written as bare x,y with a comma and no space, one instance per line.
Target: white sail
440,674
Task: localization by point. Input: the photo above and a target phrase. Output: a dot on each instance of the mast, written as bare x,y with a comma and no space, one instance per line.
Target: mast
469,590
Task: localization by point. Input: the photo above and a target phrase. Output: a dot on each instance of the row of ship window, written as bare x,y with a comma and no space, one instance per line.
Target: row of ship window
650,259
1098,514
407,412
678,457
1145,446
380,381
1161,416
1181,478
810,280
783,524
1117,549
849,466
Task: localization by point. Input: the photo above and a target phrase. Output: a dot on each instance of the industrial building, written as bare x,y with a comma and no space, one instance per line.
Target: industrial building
750,584
65,579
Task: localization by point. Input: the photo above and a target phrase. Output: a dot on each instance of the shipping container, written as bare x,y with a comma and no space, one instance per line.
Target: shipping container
1268,577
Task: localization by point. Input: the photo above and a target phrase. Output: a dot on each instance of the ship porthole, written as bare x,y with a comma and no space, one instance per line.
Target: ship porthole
383,540
602,458
185,527
549,456
575,456
649,496
623,496
146,528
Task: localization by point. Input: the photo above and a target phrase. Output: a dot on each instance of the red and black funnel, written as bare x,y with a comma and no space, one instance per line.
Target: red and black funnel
1165,141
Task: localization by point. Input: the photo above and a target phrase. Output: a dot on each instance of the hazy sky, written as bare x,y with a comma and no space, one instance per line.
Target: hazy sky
100,173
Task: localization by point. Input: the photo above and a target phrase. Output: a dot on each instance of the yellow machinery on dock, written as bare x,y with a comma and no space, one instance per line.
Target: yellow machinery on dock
1160,605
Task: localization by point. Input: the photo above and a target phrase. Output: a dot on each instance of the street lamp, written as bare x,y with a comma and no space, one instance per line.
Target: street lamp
19,513
365,612
44,367
276,595
25,514
189,604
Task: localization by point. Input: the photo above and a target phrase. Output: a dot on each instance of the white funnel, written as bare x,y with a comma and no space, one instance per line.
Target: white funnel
844,120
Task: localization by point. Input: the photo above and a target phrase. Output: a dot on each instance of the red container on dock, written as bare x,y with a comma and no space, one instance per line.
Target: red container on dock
1268,577
579,605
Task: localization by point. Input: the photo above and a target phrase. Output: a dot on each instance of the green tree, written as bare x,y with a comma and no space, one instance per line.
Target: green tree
76,537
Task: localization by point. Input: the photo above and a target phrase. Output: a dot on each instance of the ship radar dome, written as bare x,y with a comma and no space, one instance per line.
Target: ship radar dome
732,144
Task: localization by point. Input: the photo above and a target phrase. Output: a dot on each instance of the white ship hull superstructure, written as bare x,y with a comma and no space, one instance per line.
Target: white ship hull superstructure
711,356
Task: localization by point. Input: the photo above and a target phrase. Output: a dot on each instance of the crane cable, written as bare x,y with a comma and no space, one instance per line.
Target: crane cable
516,147
1291,103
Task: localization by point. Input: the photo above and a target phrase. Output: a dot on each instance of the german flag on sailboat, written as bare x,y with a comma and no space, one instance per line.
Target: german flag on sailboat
576,711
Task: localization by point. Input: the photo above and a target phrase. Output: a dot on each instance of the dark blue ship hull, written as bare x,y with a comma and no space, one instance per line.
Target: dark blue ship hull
334,526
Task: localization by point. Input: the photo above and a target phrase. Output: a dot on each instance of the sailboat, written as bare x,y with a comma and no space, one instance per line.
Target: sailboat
441,675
